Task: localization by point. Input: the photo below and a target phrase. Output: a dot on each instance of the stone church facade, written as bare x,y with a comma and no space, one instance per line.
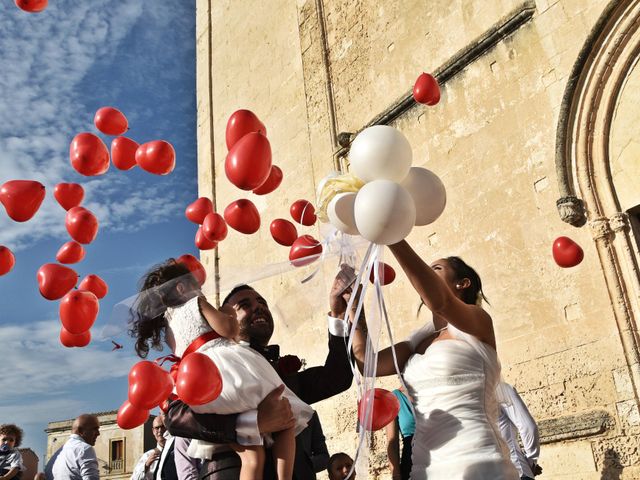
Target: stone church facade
536,136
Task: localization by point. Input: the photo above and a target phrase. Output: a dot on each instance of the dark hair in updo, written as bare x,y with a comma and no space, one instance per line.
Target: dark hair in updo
473,292
148,326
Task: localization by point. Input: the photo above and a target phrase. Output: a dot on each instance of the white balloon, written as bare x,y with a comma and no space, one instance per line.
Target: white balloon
341,213
384,211
428,193
332,174
380,152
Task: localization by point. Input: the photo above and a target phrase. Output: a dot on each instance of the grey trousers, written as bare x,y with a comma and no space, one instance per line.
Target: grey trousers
223,466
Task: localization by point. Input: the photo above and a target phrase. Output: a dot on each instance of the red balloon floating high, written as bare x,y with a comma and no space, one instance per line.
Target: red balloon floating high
54,281
566,252
283,231
68,195
22,198
82,225
272,182
110,121
149,385
385,409
89,155
248,164
242,122
7,260
214,227
386,274
303,212
199,380
123,153
194,266
70,252
202,242
305,250
94,284
157,157
78,311
242,215
71,340
198,210
32,6
426,90
131,417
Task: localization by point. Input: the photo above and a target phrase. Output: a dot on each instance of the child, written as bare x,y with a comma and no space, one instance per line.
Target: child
10,458
171,304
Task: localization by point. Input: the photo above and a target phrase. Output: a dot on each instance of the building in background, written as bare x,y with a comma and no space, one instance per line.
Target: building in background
117,450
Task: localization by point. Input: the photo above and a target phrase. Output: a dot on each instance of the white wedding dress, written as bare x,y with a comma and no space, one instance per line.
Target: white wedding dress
453,386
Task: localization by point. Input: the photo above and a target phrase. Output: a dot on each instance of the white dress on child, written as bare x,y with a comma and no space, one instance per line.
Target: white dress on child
247,377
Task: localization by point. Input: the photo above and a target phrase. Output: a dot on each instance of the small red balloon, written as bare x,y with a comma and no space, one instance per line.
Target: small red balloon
70,252
82,225
242,215
198,210
7,260
426,90
156,157
131,417
68,195
386,274
164,406
111,121
94,284
89,155
54,281
32,6
78,311
272,182
385,409
194,266
123,153
303,212
149,385
202,242
283,231
214,227
242,122
70,340
199,380
566,252
248,164
305,250
22,198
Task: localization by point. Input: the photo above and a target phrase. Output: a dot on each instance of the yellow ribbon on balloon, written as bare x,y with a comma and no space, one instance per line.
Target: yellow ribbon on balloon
332,187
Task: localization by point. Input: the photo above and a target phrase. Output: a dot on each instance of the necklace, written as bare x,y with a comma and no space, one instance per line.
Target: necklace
441,329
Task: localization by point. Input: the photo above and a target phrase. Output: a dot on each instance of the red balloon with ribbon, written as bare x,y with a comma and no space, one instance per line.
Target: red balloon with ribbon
199,380
248,164
426,90
385,407
214,227
194,266
202,242
78,311
70,252
566,252
111,121
157,157
81,224
240,123
22,198
123,153
303,212
149,385
94,284
242,215
198,210
283,232
68,195
272,182
386,274
89,155
130,416
54,281
305,250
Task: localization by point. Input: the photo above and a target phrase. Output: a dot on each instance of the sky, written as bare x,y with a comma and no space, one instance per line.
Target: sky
56,69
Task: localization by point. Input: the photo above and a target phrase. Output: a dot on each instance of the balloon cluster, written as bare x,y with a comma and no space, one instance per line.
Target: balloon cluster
304,249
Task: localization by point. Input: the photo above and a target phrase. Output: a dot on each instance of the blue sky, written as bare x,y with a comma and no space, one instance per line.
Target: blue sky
57,68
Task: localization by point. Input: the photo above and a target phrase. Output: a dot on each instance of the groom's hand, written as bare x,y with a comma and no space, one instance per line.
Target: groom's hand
341,290
274,412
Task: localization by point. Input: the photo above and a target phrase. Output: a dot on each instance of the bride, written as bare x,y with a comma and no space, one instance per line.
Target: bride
451,370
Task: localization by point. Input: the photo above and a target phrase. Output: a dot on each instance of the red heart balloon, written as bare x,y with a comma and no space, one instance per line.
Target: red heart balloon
54,280
214,227
202,242
111,121
386,274
89,155
22,198
248,164
199,380
303,212
385,409
198,210
68,195
157,157
70,340
305,250
283,231
194,266
78,311
81,224
7,260
70,252
242,215
272,182
240,123
131,417
149,385
123,153
426,90
32,6
94,284
566,252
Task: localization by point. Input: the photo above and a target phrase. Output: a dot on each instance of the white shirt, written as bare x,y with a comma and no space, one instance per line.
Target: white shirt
76,460
11,460
139,471
515,419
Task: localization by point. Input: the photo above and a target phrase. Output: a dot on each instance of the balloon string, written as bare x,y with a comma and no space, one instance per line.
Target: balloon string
325,243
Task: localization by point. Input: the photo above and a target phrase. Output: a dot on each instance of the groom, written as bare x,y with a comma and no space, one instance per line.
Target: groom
274,412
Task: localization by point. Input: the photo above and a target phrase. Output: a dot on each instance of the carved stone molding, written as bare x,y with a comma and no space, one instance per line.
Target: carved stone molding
619,222
600,228
575,426
572,210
